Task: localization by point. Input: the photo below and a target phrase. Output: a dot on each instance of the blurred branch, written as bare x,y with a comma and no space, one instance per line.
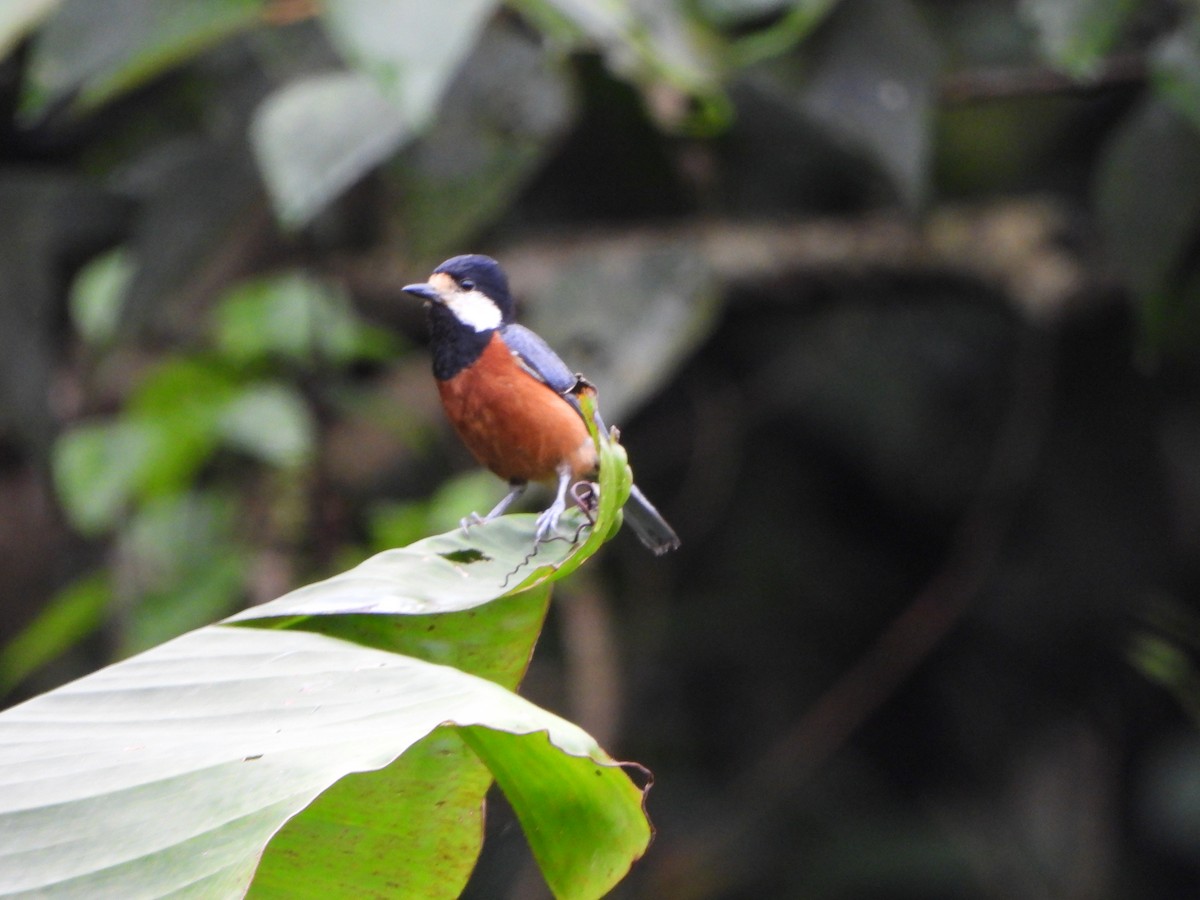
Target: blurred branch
1013,245
976,85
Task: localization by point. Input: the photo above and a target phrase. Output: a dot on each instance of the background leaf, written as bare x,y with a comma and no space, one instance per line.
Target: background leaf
1176,67
94,51
410,49
98,470
18,17
75,612
270,421
317,136
500,118
295,317
1076,34
871,83
1148,203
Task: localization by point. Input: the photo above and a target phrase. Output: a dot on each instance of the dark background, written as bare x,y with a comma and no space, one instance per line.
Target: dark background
895,304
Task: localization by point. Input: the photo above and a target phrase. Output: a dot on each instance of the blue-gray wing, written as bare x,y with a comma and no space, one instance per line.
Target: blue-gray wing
537,358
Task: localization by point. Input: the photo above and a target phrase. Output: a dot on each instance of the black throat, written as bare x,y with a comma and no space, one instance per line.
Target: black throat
454,345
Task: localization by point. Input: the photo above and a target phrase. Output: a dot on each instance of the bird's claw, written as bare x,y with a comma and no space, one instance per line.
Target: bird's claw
473,519
547,521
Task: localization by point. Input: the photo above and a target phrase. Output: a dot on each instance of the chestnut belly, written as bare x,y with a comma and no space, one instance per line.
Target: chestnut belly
512,423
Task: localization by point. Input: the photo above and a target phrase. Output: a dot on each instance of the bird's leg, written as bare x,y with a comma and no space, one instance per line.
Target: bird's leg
515,490
548,520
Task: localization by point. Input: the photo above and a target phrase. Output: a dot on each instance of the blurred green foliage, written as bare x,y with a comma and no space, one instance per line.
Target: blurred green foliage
148,476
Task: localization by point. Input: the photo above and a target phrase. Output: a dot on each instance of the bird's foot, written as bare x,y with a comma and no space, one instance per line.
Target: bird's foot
473,519
547,521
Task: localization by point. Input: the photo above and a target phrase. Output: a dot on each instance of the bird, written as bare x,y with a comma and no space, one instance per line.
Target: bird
511,398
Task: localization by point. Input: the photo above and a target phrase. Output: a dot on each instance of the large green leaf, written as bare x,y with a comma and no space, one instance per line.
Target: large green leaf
427,854
315,137
18,17
96,51
175,771
170,772
411,48
872,84
98,469
270,420
500,118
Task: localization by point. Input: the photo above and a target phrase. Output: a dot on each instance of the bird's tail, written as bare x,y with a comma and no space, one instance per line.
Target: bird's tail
650,527
646,521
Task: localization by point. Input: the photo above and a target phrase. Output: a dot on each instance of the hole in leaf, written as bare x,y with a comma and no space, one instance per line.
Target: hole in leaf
465,556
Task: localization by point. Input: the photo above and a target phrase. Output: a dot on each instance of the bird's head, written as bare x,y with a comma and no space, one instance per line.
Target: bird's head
473,288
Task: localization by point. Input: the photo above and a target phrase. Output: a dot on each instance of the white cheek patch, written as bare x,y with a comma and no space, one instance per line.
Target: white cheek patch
474,309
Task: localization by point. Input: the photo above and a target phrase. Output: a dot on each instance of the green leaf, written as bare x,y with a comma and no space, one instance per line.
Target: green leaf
98,294
796,24
189,388
872,85
410,48
172,771
315,137
173,423
499,120
97,51
653,44
272,422
71,615
19,17
1076,34
1148,195
433,850
1175,67
180,405
582,852
341,846
448,573
293,316
181,564
98,469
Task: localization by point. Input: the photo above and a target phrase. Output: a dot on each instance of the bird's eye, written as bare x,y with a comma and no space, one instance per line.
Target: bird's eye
467,284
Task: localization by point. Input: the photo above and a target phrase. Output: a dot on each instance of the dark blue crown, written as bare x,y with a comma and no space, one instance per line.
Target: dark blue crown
487,277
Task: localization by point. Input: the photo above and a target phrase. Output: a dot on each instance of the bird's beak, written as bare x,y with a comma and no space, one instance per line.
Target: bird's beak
424,290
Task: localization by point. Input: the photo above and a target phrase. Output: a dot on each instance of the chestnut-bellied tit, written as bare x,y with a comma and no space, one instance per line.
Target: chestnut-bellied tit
510,397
